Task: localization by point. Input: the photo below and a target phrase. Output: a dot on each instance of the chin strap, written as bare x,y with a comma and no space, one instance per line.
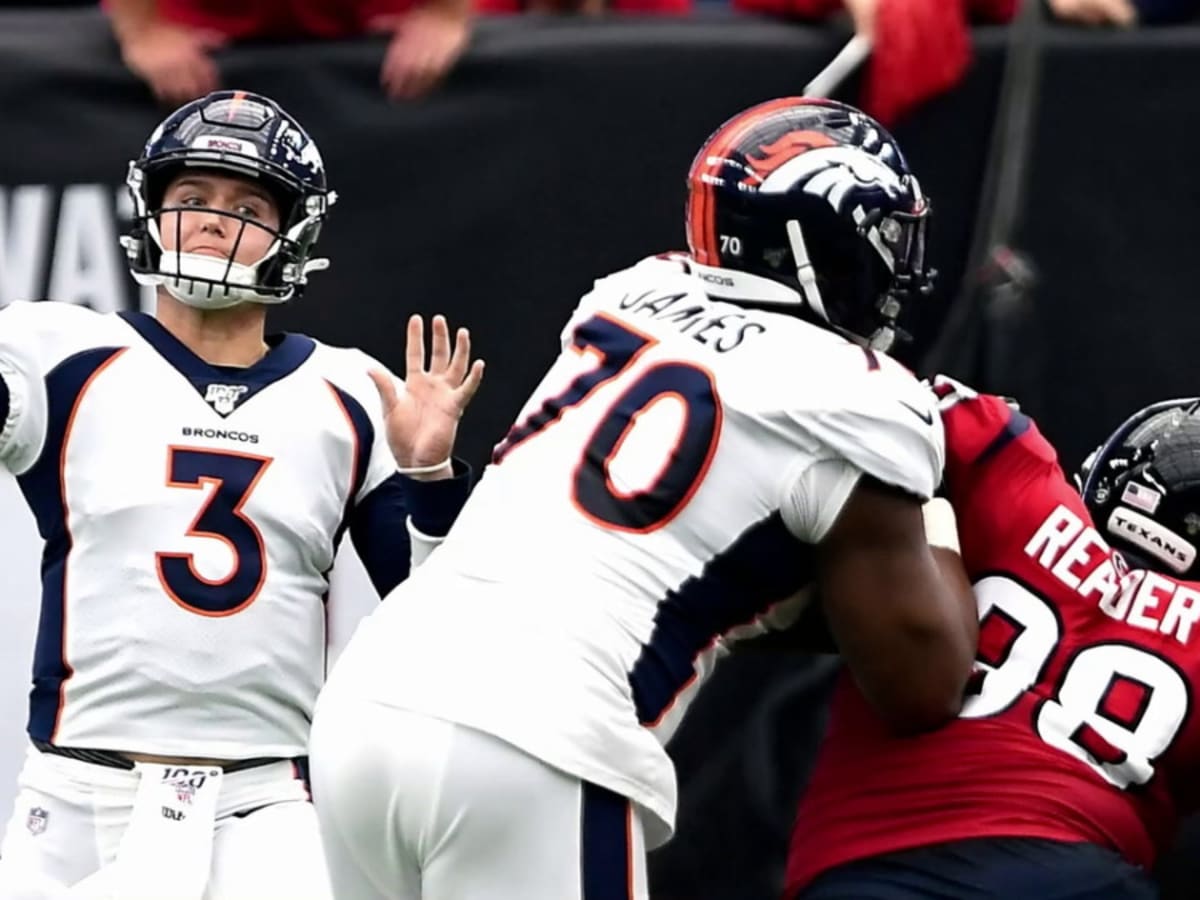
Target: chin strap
805,273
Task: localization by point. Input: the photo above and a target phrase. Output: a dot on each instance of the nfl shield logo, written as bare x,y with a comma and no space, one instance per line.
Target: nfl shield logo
224,398
184,792
36,820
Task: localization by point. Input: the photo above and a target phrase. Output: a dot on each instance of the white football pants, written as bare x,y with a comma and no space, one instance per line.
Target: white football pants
70,817
416,808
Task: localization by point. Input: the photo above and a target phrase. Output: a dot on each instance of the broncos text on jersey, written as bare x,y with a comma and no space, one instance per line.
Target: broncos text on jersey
191,515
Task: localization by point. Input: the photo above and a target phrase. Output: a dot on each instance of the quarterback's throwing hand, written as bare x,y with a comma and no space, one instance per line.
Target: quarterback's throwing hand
422,417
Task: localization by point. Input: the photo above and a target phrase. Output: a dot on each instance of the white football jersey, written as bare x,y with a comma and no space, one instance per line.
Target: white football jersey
661,491
191,516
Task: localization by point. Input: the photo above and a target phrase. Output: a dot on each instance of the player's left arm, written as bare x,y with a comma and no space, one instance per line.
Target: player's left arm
899,610
899,605
399,523
809,631
25,356
415,487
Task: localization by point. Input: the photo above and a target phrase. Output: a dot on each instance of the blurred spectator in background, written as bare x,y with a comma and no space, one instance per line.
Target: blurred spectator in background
584,7
1095,12
166,43
1124,12
920,47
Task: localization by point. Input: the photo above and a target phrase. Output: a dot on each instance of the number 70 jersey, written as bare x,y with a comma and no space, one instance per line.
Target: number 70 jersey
663,488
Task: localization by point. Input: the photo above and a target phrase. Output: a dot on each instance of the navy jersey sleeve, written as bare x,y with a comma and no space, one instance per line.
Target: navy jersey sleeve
382,521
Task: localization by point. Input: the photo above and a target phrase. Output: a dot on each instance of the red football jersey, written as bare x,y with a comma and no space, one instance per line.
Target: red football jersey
1078,726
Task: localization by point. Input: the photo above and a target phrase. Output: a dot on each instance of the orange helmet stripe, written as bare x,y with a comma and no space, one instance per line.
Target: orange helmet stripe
234,103
704,231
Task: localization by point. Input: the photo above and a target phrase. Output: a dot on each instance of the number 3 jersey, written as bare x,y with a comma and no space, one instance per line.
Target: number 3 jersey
1078,725
662,489
190,515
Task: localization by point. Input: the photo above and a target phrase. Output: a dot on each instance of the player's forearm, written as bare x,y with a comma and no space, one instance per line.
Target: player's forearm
946,645
920,686
960,634
456,9
950,629
961,606
913,654
895,607
131,16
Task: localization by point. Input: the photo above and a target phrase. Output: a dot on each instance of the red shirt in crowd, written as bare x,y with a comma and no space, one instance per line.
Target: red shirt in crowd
248,19
921,47
664,7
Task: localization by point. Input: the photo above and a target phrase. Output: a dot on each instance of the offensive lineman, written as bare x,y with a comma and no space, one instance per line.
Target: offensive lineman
721,429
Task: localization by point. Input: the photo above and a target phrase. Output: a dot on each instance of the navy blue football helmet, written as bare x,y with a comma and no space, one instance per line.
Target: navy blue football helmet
1142,487
817,195
248,135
